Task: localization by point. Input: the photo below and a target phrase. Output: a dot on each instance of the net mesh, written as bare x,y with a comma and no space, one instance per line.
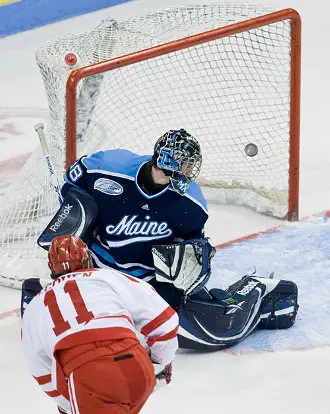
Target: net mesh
227,93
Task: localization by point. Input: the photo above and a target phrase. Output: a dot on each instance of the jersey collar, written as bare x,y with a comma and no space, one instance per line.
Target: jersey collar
141,190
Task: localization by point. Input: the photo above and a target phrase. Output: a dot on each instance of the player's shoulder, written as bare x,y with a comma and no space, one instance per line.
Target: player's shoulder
118,280
194,194
117,161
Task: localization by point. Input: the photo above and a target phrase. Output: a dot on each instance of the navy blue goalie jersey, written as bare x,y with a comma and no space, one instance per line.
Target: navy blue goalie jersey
130,221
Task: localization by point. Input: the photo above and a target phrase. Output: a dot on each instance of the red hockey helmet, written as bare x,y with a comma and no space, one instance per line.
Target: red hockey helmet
67,254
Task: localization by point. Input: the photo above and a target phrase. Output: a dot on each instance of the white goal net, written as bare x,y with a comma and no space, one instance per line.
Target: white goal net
228,92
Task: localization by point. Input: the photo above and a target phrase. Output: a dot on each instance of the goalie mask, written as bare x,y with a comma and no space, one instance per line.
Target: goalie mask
178,155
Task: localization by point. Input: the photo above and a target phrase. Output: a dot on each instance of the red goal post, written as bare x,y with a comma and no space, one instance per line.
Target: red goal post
129,59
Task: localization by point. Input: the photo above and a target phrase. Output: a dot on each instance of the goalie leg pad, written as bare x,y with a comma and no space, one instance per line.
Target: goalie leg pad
30,288
233,314
209,325
279,308
279,300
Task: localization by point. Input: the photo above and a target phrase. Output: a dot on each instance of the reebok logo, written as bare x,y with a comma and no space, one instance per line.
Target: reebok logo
247,288
54,227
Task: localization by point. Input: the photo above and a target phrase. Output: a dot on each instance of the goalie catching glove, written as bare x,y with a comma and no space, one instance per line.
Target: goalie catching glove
187,265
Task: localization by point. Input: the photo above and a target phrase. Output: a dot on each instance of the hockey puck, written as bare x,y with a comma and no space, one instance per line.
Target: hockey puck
251,150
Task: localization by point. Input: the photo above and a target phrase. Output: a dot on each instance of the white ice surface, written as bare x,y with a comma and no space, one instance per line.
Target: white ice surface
240,379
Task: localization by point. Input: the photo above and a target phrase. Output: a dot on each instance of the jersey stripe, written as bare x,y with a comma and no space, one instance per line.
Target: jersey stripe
127,177
99,253
43,379
158,321
73,398
170,335
53,394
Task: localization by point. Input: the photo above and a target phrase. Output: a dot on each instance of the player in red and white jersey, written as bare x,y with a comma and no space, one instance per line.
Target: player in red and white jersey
79,335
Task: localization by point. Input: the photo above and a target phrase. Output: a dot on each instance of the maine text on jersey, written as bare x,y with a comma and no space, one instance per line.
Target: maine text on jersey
129,226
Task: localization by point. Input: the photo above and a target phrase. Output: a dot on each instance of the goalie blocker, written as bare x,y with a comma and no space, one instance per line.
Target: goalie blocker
216,319
76,215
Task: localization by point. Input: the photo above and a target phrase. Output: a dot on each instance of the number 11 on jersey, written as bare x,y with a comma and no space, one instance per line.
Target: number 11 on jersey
83,314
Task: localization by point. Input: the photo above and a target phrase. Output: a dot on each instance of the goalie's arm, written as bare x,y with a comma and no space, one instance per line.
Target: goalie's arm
77,215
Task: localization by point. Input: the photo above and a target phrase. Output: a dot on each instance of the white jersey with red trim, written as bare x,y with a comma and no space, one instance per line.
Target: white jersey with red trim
94,305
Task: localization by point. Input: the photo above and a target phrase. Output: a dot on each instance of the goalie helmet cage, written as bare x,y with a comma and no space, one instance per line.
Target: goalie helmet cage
229,73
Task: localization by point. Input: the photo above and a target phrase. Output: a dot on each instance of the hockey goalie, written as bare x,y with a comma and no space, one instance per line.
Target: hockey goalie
145,216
